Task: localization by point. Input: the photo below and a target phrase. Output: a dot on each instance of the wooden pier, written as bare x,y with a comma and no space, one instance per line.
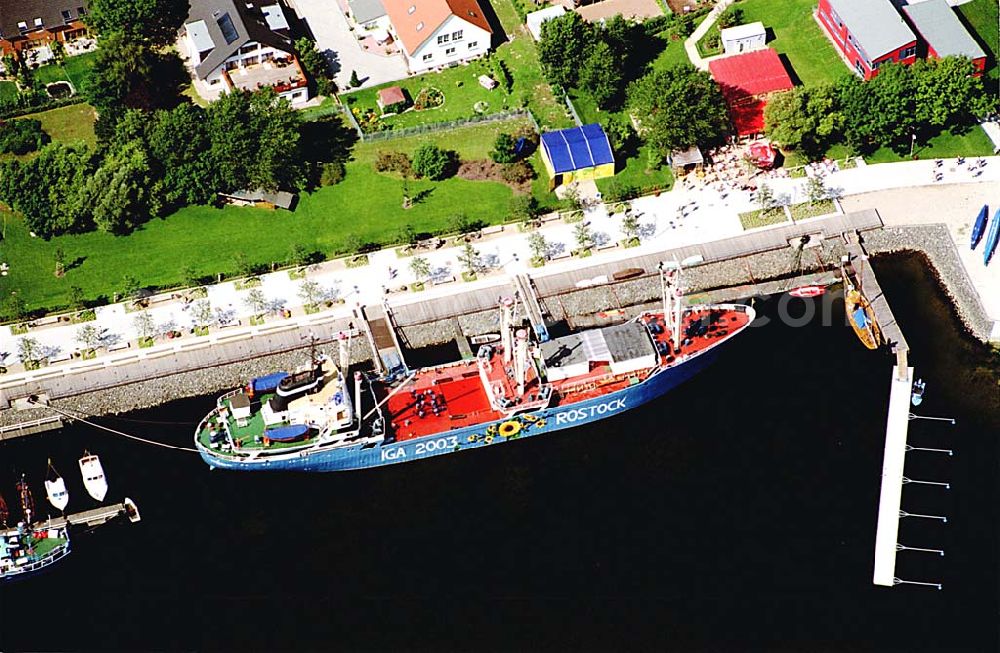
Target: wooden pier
95,517
892,334
31,427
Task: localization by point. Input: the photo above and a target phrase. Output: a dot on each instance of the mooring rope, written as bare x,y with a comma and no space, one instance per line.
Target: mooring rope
129,419
115,431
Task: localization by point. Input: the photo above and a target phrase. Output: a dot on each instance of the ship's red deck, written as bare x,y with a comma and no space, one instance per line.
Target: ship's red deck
461,400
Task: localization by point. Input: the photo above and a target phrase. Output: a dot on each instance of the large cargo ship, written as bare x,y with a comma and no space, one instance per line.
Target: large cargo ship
310,420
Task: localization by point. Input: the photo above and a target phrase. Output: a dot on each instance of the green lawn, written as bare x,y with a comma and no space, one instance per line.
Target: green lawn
972,143
673,54
366,204
70,123
75,69
797,36
462,91
984,18
8,92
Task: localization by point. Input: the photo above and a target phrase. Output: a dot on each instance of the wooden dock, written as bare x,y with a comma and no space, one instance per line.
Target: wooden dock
95,517
31,427
891,331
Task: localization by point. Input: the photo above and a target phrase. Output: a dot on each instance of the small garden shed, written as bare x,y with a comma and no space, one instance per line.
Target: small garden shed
577,153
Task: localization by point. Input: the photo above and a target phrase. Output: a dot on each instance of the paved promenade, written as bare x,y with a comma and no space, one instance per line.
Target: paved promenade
903,193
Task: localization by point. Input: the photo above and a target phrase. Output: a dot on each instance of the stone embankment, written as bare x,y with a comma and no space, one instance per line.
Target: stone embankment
934,242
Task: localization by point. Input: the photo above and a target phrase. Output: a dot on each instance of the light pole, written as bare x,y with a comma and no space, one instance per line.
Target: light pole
913,141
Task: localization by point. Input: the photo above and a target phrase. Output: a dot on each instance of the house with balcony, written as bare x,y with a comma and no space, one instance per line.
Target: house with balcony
867,33
28,24
438,33
242,45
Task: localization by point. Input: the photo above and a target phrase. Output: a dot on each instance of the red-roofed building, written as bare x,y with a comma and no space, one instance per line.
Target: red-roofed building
746,80
437,33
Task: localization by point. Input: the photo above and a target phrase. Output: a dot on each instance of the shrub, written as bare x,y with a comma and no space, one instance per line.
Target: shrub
504,149
333,173
731,16
618,190
22,136
432,162
517,173
523,208
393,162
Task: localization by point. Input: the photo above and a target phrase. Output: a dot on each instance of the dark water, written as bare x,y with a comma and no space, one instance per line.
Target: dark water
737,513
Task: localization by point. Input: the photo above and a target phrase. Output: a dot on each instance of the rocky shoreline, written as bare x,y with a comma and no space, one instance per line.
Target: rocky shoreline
931,241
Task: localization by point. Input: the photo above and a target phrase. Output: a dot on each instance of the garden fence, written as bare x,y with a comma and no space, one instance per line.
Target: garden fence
441,126
572,111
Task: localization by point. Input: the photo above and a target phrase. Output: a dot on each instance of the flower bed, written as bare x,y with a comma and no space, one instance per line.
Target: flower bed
429,97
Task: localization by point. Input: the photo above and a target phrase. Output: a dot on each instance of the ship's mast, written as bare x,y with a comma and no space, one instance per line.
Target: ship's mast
345,354
27,502
521,360
507,327
673,294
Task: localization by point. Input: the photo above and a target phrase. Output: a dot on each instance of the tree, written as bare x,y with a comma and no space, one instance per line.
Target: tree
816,189
118,191
46,189
765,198
432,162
144,324
256,301
310,292
130,286
584,236
14,306
806,118
947,95
504,148
564,44
59,256
201,313
22,136
355,82
733,15
177,141
539,248
154,21
678,107
88,336
315,64
190,276
523,208
76,297
469,259
28,350
131,74
407,235
630,227
298,254
420,268
602,74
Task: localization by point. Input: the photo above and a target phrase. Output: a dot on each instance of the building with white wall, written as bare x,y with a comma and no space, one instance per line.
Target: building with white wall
239,44
743,38
439,33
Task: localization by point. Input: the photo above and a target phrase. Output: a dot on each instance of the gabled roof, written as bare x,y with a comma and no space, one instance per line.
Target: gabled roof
745,31
942,29
577,147
416,20
13,12
535,19
750,74
229,25
875,24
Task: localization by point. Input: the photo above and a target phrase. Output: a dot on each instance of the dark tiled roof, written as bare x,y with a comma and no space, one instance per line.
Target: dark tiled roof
248,23
13,12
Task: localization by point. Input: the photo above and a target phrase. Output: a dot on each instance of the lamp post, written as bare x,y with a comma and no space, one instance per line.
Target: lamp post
913,141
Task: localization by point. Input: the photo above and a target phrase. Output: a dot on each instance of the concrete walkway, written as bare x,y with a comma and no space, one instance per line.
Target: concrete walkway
691,43
671,220
336,41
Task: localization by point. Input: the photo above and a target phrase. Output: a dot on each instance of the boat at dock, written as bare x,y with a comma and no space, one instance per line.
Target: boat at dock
93,476
55,489
524,385
860,313
28,547
979,225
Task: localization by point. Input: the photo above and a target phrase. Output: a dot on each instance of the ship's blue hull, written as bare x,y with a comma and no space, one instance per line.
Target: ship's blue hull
529,425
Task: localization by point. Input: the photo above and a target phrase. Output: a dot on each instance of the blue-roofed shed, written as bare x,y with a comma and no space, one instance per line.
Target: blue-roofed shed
577,153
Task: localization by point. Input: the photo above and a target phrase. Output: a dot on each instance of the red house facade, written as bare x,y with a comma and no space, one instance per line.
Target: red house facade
868,33
942,33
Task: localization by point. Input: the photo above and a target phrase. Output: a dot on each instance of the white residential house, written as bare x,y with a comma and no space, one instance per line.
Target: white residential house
439,33
239,44
369,15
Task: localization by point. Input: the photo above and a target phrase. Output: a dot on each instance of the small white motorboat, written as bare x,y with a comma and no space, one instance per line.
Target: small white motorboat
93,476
917,394
55,488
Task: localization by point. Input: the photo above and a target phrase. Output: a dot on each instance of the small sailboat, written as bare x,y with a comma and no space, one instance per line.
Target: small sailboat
991,239
93,476
917,395
860,313
979,226
55,488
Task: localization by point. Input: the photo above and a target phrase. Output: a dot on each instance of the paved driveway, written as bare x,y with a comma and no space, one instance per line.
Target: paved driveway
335,40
